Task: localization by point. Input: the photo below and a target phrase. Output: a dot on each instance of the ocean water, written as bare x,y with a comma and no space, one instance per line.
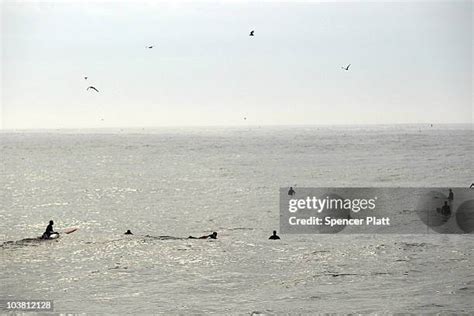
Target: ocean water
192,181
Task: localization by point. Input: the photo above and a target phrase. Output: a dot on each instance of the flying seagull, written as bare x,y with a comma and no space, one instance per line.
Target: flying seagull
251,33
150,47
93,88
346,68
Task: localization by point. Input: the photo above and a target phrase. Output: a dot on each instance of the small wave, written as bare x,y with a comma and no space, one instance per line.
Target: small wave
431,305
240,228
262,313
25,242
165,237
52,204
340,274
407,245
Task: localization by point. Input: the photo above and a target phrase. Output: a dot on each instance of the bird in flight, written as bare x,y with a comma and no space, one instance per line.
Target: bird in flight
150,47
346,68
251,33
93,88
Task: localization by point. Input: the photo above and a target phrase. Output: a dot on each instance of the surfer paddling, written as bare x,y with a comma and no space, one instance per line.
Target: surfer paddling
49,231
211,236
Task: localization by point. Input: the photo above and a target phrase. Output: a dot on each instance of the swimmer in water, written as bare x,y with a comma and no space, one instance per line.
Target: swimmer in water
274,236
211,236
128,232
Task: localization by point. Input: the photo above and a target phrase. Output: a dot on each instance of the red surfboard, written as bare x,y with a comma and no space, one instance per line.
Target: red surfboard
70,230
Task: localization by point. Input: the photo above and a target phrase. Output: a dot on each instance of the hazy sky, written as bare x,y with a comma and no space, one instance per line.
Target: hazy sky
411,63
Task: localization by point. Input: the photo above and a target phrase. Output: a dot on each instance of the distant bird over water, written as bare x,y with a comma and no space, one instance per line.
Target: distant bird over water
93,88
150,47
346,68
251,33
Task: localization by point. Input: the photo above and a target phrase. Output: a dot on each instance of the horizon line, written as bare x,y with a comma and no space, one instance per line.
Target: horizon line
233,126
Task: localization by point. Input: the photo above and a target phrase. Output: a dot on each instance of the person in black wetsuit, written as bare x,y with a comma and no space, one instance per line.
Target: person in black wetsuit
49,231
291,192
446,210
211,236
128,232
274,236
451,196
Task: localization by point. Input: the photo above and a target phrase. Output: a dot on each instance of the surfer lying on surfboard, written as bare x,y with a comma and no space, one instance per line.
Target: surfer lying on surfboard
211,236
